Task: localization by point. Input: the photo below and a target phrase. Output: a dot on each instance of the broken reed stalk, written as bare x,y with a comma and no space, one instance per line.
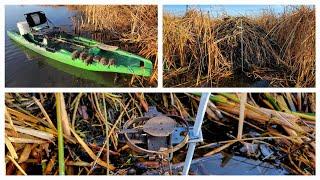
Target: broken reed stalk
44,112
73,121
11,148
243,101
60,135
90,152
245,139
64,116
219,149
8,117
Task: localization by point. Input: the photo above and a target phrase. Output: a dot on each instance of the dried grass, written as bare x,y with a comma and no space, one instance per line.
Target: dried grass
295,32
190,48
284,121
204,51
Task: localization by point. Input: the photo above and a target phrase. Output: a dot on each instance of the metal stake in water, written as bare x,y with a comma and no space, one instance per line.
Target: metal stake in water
196,131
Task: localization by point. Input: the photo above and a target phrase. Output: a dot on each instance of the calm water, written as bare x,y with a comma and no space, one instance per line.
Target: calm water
24,68
214,165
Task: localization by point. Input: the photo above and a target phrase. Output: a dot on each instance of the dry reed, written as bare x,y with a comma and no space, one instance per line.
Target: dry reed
274,116
277,48
295,32
190,48
284,121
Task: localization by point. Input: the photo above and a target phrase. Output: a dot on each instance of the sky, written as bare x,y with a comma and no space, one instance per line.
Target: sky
233,10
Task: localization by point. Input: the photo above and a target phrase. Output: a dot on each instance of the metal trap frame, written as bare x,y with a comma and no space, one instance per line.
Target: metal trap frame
164,134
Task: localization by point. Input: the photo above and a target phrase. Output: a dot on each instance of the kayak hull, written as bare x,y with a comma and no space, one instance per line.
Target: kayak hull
130,62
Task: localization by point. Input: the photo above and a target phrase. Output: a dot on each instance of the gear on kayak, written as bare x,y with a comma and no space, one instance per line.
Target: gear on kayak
96,59
75,54
83,56
103,61
39,34
88,60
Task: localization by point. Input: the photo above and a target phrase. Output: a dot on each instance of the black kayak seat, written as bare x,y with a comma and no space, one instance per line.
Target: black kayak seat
36,18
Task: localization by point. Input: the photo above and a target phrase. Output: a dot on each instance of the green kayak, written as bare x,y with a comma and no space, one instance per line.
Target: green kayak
78,51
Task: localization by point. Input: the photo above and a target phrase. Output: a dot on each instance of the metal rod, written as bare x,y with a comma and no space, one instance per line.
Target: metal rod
201,112
196,130
187,163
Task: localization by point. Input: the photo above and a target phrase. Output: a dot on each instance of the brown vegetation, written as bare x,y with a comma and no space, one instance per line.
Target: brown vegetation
276,48
90,122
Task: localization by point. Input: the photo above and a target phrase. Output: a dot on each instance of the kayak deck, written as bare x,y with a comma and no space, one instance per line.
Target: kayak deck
60,49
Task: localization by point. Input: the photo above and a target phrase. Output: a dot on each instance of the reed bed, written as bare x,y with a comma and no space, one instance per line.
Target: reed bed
246,44
190,48
295,32
133,28
77,133
277,48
